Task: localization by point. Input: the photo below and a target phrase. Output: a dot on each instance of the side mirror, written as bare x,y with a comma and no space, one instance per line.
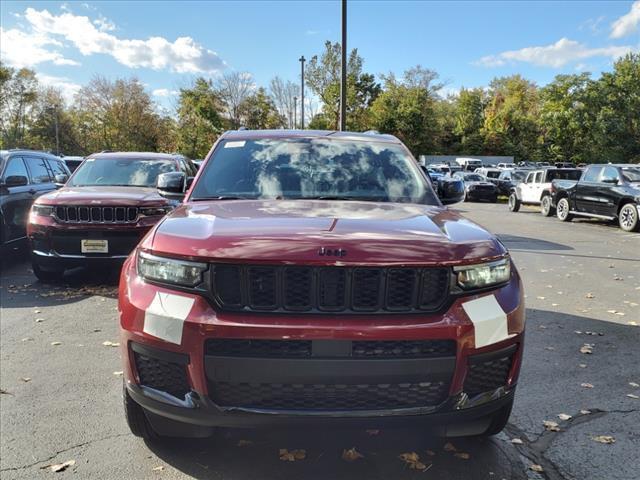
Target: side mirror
16,181
172,185
612,181
61,179
450,190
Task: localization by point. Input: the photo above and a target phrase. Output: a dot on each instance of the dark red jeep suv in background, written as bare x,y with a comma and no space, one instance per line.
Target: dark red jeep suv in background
103,211
315,276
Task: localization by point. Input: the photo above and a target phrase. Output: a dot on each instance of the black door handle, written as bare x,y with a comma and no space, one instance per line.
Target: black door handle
33,191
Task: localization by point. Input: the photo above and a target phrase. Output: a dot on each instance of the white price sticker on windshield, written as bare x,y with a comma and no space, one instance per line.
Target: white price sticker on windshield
236,144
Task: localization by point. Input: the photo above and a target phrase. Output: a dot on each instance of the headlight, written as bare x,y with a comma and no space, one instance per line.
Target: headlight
155,211
170,270
42,210
483,275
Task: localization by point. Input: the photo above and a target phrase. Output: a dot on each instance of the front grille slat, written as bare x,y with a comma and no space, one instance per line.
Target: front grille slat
290,289
92,214
162,375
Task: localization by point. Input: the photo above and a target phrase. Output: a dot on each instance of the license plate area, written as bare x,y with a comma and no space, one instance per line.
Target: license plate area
94,246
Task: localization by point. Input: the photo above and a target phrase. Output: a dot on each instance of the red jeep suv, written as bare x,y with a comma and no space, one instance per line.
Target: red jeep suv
103,211
315,276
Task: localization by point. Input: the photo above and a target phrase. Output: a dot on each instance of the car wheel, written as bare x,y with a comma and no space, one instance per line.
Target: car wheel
136,419
545,206
514,203
562,210
628,218
47,276
499,420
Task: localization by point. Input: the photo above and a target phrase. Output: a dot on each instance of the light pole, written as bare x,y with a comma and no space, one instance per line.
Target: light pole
343,70
295,112
302,60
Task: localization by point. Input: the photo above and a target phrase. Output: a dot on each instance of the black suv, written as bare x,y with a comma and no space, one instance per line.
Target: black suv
24,176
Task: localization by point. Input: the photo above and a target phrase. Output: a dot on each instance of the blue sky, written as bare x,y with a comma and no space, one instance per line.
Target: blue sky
166,44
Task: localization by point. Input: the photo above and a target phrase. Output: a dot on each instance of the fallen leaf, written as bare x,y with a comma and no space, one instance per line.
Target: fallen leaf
517,441
244,443
586,385
540,298
583,365
549,348
536,468
462,455
410,457
118,374
37,311
555,304
56,343
351,455
590,295
587,349
25,379
110,344
564,416
634,384
608,439
448,447
60,467
631,395
39,320
5,392
551,426
622,314
431,453
612,311
158,469
293,455
585,412
373,432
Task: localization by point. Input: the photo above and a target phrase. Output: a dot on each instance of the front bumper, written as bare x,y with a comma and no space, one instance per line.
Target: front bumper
205,387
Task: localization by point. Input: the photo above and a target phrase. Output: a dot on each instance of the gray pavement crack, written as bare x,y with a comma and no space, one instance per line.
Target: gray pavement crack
59,452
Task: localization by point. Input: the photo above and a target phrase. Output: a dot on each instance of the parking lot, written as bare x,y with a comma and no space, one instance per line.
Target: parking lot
61,381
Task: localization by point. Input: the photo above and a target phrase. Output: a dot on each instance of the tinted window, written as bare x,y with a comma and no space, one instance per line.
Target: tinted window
631,174
609,174
124,172
39,171
312,168
57,167
563,175
592,174
492,174
473,178
505,176
519,176
15,168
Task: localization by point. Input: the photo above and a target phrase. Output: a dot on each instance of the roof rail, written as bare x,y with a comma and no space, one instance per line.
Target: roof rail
372,132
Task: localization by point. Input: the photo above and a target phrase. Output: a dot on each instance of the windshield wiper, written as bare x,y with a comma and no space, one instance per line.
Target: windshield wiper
342,197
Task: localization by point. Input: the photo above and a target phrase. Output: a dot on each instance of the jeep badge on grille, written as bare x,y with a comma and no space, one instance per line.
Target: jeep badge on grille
332,252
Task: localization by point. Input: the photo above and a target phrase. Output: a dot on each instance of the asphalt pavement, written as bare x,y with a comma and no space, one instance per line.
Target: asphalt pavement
60,397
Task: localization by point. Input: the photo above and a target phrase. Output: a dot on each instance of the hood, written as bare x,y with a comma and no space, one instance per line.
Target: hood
108,196
295,231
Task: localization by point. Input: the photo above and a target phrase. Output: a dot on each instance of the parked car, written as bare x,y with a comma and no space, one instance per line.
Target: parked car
448,189
72,162
504,166
508,179
564,165
106,207
477,187
24,176
315,278
491,174
536,188
468,164
610,192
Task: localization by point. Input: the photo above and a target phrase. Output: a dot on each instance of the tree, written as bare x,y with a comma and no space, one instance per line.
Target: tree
18,95
469,120
259,112
233,88
52,128
323,77
283,94
200,121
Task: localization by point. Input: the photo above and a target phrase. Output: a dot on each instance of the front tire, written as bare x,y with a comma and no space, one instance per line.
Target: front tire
546,209
47,276
136,419
628,218
562,210
514,203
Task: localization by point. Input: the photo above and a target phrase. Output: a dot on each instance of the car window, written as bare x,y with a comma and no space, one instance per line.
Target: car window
313,168
609,174
492,174
529,178
124,172
473,177
39,170
563,175
631,174
505,176
56,167
15,168
538,177
592,174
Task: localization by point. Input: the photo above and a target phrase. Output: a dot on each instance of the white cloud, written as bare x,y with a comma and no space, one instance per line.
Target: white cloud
627,24
67,87
555,55
20,49
164,92
183,55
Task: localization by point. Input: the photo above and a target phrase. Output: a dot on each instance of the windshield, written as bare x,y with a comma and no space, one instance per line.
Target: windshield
313,168
473,178
631,174
493,174
563,175
124,172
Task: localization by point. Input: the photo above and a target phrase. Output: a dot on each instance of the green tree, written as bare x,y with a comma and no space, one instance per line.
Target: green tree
18,96
469,119
258,111
200,121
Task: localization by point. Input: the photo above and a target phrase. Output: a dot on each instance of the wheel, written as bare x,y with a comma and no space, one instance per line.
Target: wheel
499,420
514,202
545,206
628,218
47,276
562,210
136,419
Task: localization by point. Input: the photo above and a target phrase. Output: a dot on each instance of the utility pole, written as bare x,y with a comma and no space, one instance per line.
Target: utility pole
302,60
57,139
343,70
295,112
